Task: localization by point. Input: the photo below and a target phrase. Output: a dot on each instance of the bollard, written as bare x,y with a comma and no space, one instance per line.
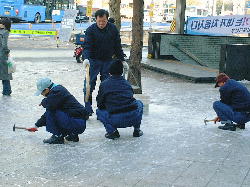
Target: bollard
145,99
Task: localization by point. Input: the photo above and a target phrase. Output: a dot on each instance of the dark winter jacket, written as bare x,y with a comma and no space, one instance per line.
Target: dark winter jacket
116,95
102,44
236,95
4,52
59,98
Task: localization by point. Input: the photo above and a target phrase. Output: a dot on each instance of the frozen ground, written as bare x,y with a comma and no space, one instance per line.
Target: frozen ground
175,150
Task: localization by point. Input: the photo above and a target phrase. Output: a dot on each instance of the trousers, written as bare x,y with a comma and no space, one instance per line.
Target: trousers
122,120
226,112
60,123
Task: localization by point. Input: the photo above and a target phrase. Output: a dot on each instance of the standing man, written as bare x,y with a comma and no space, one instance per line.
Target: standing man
102,42
234,105
64,115
117,108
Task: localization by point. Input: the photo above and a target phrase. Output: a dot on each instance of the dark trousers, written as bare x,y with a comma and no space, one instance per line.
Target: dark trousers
122,120
6,87
96,67
226,113
60,123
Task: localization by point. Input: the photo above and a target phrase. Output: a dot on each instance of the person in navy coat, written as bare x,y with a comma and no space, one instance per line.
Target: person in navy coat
64,115
234,104
117,108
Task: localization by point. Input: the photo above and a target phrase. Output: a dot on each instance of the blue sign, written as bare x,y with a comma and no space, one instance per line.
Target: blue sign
219,25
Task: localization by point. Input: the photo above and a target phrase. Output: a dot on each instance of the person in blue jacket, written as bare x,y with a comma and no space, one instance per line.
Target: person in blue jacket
234,104
117,108
102,42
64,116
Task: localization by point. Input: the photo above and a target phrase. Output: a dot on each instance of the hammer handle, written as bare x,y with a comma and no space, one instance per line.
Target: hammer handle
20,127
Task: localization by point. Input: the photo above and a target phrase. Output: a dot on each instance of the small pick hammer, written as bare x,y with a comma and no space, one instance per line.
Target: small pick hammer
24,128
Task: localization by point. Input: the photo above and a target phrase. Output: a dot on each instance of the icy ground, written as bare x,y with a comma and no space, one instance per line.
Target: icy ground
177,149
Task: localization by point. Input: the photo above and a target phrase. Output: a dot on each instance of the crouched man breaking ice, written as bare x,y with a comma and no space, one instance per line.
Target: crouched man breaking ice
117,108
64,116
234,104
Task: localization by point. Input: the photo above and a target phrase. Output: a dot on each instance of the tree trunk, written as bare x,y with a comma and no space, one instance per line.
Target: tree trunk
114,12
180,16
134,75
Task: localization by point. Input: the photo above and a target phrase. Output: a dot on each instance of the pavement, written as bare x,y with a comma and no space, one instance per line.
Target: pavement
177,149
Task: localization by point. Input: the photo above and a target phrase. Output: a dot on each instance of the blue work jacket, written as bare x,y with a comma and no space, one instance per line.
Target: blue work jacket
59,98
116,95
102,44
236,95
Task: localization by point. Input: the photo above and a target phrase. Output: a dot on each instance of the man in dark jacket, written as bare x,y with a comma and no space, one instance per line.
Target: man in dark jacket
102,42
64,115
117,108
234,105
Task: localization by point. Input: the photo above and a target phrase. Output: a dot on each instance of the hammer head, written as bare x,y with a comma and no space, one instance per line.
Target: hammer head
14,127
205,121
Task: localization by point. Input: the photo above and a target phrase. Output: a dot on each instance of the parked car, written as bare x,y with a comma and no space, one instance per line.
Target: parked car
81,18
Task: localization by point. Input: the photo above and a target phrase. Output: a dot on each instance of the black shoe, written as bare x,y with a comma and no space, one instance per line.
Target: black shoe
54,140
241,126
228,126
137,133
72,137
113,135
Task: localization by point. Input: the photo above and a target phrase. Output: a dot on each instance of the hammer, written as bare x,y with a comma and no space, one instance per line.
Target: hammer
208,120
27,129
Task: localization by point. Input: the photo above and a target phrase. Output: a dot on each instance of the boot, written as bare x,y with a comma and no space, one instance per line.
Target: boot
54,139
241,126
72,137
113,135
228,126
137,133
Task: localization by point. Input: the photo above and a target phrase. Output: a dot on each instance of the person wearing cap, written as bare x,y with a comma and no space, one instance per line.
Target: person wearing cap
234,104
102,42
64,115
117,108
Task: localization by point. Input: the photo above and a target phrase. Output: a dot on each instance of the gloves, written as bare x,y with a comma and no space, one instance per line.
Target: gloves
85,63
125,66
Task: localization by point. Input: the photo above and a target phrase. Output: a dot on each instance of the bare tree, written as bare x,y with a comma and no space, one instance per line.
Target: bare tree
114,11
134,76
180,16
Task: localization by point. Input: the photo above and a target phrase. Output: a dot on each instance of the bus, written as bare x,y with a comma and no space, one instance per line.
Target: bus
34,10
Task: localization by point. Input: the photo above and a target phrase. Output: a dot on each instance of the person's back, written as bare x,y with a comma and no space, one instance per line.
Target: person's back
117,108
118,95
235,94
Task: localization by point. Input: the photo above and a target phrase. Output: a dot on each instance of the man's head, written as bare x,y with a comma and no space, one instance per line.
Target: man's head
101,16
116,68
43,86
221,79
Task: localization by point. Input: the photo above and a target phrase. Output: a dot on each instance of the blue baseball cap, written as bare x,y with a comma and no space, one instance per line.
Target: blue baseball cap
42,84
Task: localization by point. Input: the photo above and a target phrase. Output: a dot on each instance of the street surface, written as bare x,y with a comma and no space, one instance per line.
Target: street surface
177,149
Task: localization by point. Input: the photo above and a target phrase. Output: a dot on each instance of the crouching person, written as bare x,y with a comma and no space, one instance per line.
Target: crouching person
234,104
117,108
64,116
